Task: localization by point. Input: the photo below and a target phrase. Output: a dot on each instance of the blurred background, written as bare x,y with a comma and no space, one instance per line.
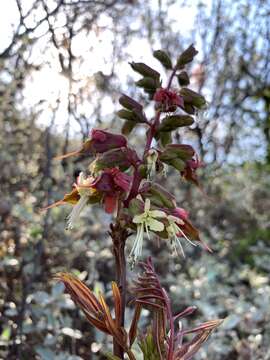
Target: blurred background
63,64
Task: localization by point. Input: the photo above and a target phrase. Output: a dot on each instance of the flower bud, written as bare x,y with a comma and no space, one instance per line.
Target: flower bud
175,151
122,158
178,164
112,183
177,155
135,207
158,195
151,162
102,141
188,108
164,58
127,127
167,100
129,103
145,70
183,78
189,172
131,115
186,57
148,83
193,98
180,213
143,170
173,122
164,137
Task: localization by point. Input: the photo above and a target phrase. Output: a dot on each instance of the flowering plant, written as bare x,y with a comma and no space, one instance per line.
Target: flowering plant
126,184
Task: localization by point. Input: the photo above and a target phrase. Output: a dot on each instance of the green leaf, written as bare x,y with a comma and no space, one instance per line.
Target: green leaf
165,138
173,122
158,195
126,114
145,70
149,348
186,57
193,98
128,127
189,108
129,103
148,83
178,164
164,58
174,151
136,207
183,78
132,115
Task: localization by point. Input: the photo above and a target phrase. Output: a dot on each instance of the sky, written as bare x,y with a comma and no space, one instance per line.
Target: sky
45,86
49,83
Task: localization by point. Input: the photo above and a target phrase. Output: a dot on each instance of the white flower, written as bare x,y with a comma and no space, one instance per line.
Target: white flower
151,160
174,230
84,190
145,222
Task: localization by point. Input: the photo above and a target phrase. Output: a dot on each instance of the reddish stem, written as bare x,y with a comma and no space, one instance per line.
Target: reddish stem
137,178
119,236
171,322
151,132
171,78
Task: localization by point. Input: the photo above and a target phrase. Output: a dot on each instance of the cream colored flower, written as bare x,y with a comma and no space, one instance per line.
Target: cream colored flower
175,232
145,222
151,160
84,189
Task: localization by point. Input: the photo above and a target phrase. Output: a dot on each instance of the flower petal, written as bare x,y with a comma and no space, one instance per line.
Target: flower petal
147,205
138,219
155,225
75,213
157,214
136,250
174,220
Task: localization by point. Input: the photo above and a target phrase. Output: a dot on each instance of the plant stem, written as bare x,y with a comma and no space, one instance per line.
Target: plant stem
171,324
171,77
119,236
131,355
134,187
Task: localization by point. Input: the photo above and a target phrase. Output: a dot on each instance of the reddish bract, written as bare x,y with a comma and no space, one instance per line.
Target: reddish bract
189,172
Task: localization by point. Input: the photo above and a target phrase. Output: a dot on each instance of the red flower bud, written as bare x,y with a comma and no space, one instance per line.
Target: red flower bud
181,213
111,183
102,141
167,100
189,173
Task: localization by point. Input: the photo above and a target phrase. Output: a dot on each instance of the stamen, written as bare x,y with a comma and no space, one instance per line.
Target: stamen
182,232
75,213
136,250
